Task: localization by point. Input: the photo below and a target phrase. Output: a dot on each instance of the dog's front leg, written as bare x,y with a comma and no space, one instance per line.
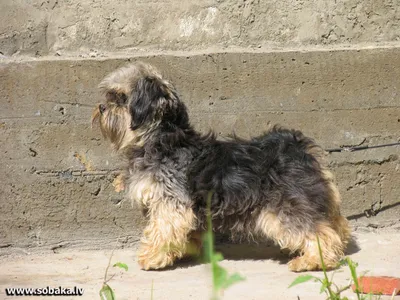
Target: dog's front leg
167,234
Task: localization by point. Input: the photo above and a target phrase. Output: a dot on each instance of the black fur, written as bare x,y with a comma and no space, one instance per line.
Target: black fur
153,102
274,171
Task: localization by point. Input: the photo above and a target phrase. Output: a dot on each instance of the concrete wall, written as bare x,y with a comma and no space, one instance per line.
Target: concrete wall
335,76
40,27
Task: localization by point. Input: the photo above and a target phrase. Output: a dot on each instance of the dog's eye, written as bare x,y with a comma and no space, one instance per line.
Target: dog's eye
121,99
117,98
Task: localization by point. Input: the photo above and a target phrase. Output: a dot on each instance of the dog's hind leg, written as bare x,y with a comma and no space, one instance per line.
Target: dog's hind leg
333,234
332,249
303,240
166,237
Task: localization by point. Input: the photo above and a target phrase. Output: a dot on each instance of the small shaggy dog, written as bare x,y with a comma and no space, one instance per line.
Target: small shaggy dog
272,186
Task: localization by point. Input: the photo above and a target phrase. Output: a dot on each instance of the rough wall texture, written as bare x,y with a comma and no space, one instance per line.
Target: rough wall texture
57,174
40,27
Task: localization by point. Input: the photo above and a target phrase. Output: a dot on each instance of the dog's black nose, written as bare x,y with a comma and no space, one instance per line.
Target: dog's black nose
102,108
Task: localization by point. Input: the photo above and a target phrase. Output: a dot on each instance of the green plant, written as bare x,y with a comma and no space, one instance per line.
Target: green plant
220,278
106,292
332,291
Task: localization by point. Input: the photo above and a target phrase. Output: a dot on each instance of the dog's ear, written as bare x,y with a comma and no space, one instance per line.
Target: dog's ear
144,102
156,100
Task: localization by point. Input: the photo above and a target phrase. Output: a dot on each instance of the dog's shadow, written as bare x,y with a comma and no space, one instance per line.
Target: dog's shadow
352,246
253,251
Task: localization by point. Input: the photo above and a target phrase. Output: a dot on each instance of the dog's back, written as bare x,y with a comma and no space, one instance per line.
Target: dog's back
250,173
279,171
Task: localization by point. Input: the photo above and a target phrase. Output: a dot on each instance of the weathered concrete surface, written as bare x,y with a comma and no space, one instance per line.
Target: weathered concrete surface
56,176
267,276
40,27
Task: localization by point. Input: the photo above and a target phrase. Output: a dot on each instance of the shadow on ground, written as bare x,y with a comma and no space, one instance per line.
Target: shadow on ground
252,251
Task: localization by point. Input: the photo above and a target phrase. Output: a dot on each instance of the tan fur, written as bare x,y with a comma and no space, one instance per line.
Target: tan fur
339,223
342,227
144,190
268,224
119,134
305,243
333,235
332,249
166,235
124,79
169,234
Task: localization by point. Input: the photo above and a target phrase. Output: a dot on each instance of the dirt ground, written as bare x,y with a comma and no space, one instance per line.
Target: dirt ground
267,276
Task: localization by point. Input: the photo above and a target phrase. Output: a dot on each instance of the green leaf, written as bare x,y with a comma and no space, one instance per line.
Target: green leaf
106,293
301,279
234,278
121,265
219,276
324,285
217,257
221,279
342,262
352,266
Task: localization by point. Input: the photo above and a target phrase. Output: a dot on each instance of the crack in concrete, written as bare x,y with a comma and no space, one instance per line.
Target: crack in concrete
369,162
76,173
296,110
353,145
66,103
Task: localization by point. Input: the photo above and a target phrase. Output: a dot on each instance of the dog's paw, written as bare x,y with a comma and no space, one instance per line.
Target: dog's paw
305,263
144,263
154,261
302,264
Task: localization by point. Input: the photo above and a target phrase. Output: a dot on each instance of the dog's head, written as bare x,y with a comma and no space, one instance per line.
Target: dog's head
138,102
